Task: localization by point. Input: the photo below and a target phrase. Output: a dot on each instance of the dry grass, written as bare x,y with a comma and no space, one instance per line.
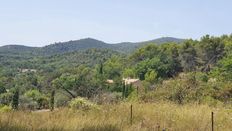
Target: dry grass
147,117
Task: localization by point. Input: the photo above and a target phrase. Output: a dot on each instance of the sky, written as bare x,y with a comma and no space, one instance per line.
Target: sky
43,22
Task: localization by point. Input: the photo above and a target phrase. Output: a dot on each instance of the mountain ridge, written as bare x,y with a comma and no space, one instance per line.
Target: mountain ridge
82,44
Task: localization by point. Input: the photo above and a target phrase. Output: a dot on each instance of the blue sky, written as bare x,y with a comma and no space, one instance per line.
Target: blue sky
42,22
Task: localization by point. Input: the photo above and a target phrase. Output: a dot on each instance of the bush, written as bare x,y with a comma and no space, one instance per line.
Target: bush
82,104
40,98
202,77
211,101
133,97
179,93
108,98
27,103
6,98
5,108
61,100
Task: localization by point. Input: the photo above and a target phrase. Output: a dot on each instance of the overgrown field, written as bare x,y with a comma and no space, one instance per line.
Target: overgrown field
146,116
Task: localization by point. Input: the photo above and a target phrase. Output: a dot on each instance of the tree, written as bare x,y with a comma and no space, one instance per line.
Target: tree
129,72
101,69
40,98
175,60
146,52
188,56
100,76
123,90
211,47
113,67
81,81
15,99
6,98
2,88
65,82
52,100
151,76
211,50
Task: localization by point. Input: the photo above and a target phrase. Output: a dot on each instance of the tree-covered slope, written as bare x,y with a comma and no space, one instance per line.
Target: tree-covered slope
195,71
88,57
77,45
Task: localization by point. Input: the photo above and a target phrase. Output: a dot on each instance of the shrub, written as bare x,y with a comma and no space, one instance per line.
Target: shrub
82,104
202,77
5,108
211,101
37,96
61,100
6,98
108,98
179,93
27,103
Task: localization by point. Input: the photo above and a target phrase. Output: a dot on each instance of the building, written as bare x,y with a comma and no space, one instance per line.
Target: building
134,82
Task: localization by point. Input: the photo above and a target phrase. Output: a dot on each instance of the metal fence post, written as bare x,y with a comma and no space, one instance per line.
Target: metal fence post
212,119
131,114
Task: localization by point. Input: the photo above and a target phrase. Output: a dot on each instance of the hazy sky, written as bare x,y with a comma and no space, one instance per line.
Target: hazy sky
42,22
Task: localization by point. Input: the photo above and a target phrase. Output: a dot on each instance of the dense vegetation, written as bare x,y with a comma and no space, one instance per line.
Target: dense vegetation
193,71
78,45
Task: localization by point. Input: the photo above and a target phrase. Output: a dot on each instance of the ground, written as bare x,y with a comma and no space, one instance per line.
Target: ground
145,116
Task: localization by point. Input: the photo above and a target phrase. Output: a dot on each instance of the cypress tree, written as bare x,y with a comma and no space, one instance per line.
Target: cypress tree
123,90
52,100
127,91
15,99
101,68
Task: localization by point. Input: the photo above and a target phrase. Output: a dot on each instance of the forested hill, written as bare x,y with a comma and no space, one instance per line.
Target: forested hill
194,71
128,47
82,44
89,57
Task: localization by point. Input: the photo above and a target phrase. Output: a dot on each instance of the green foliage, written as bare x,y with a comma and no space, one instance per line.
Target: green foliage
108,98
188,56
82,104
116,86
52,100
202,77
164,60
66,82
191,71
113,67
191,88
211,49
61,100
129,73
5,108
223,71
151,76
2,88
126,90
41,99
6,98
27,103
15,99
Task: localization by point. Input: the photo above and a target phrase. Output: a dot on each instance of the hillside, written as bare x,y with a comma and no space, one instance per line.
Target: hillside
70,46
89,57
129,47
77,45
17,49
165,76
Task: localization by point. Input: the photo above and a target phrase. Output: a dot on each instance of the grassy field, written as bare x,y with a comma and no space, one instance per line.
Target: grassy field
146,117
